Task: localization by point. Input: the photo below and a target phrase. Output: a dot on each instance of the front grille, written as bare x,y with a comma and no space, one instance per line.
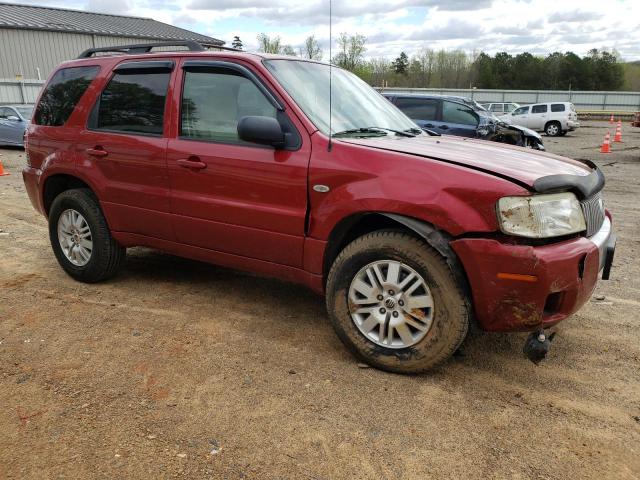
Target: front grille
593,209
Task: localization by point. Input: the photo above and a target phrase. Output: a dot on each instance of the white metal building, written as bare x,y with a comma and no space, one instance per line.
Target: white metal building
34,40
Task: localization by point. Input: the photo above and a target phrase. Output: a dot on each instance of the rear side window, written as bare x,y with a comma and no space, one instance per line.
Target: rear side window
496,108
62,94
418,108
539,109
133,102
557,107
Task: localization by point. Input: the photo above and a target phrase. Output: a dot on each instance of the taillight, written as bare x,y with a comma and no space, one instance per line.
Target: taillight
25,143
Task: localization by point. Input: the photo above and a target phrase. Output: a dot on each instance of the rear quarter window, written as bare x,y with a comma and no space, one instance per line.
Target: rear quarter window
62,94
557,107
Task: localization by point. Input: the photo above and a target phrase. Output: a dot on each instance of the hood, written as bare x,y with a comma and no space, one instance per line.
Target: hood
521,165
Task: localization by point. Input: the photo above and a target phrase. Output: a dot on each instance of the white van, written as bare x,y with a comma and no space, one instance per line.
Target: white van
553,118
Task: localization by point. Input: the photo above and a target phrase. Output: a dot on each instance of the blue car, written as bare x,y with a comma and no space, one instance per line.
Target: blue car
462,117
13,122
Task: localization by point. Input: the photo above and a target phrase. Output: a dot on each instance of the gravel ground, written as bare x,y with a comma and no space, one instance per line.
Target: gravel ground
181,369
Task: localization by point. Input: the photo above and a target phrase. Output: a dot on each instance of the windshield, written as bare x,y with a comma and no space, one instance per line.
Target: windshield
26,112
355,105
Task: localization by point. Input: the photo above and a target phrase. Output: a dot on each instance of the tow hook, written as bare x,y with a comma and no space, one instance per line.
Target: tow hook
537,345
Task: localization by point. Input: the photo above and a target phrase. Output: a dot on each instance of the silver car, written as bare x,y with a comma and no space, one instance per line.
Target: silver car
13,122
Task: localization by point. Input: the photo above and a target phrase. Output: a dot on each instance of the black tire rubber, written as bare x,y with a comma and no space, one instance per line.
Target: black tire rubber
107,255
546,127
452,309
563,133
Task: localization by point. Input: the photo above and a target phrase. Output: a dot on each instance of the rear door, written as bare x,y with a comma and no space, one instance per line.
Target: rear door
458,119
124,149
228,195
423,111
539,116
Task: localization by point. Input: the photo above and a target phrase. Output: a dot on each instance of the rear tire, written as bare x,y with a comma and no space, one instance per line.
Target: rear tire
101,256
443,325
553,129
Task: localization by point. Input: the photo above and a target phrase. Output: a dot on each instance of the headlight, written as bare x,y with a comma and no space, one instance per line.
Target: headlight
541,216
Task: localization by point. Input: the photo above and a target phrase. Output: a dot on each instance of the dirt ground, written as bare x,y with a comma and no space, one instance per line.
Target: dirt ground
182,369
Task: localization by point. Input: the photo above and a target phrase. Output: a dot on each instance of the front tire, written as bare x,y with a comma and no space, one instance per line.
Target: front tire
395,302
80,237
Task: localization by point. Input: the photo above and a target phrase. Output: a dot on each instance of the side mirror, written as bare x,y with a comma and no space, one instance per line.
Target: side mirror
262,130
13,118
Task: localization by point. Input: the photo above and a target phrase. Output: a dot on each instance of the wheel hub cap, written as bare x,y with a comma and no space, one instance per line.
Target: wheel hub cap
74,236
391,304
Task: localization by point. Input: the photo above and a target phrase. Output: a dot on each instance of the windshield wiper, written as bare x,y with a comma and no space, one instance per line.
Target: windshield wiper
373,130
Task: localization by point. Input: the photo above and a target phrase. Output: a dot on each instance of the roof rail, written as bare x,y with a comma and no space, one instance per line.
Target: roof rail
139,48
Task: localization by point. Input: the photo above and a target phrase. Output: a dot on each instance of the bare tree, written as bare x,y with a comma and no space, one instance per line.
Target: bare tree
352,48
311,49
266,44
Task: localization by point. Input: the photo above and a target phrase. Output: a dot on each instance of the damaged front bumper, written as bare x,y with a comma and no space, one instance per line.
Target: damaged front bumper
522,287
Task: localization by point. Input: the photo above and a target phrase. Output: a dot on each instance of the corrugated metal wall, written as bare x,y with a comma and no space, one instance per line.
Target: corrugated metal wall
25,51
584,101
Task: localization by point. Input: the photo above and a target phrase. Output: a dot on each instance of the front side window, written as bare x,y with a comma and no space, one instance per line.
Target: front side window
539,109
133,102
62,94
455,113
5,112
355,104
557,107
214,101
521,111
418,108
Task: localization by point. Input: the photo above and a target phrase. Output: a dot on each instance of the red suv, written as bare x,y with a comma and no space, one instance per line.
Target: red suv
242,160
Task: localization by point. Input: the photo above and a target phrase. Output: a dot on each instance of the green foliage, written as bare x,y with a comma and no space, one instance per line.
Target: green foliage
401,64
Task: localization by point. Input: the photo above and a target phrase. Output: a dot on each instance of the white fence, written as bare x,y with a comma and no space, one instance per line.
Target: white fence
584,101
26,91
16,91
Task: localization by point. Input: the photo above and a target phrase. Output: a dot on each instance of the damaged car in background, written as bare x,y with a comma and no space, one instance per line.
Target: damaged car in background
462,117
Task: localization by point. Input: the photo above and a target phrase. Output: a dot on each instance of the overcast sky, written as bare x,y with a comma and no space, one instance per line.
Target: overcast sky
392,26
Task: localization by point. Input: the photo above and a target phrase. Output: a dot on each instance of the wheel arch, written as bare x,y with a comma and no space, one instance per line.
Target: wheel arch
57,183
360,224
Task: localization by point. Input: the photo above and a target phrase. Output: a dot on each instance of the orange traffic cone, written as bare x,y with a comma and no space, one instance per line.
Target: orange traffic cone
611,120
2,172
606,145
618,137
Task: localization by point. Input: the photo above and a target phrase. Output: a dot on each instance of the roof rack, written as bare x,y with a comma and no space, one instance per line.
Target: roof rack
139,48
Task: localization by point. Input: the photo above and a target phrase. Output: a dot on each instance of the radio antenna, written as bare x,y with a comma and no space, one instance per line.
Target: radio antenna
330,75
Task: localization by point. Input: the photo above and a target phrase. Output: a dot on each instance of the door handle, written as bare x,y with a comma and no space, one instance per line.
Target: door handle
429,125
444,127
193,163
97,152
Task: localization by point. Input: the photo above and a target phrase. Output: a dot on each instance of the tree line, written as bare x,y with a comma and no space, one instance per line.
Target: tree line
600,69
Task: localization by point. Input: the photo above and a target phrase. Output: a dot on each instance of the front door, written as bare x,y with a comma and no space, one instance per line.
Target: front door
229,195
520,117
124,150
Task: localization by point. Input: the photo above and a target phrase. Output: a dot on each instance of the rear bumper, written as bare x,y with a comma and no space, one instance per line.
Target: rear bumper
573,124
31,177
542,285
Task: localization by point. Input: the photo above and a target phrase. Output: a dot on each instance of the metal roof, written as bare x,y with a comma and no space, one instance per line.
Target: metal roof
32,17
